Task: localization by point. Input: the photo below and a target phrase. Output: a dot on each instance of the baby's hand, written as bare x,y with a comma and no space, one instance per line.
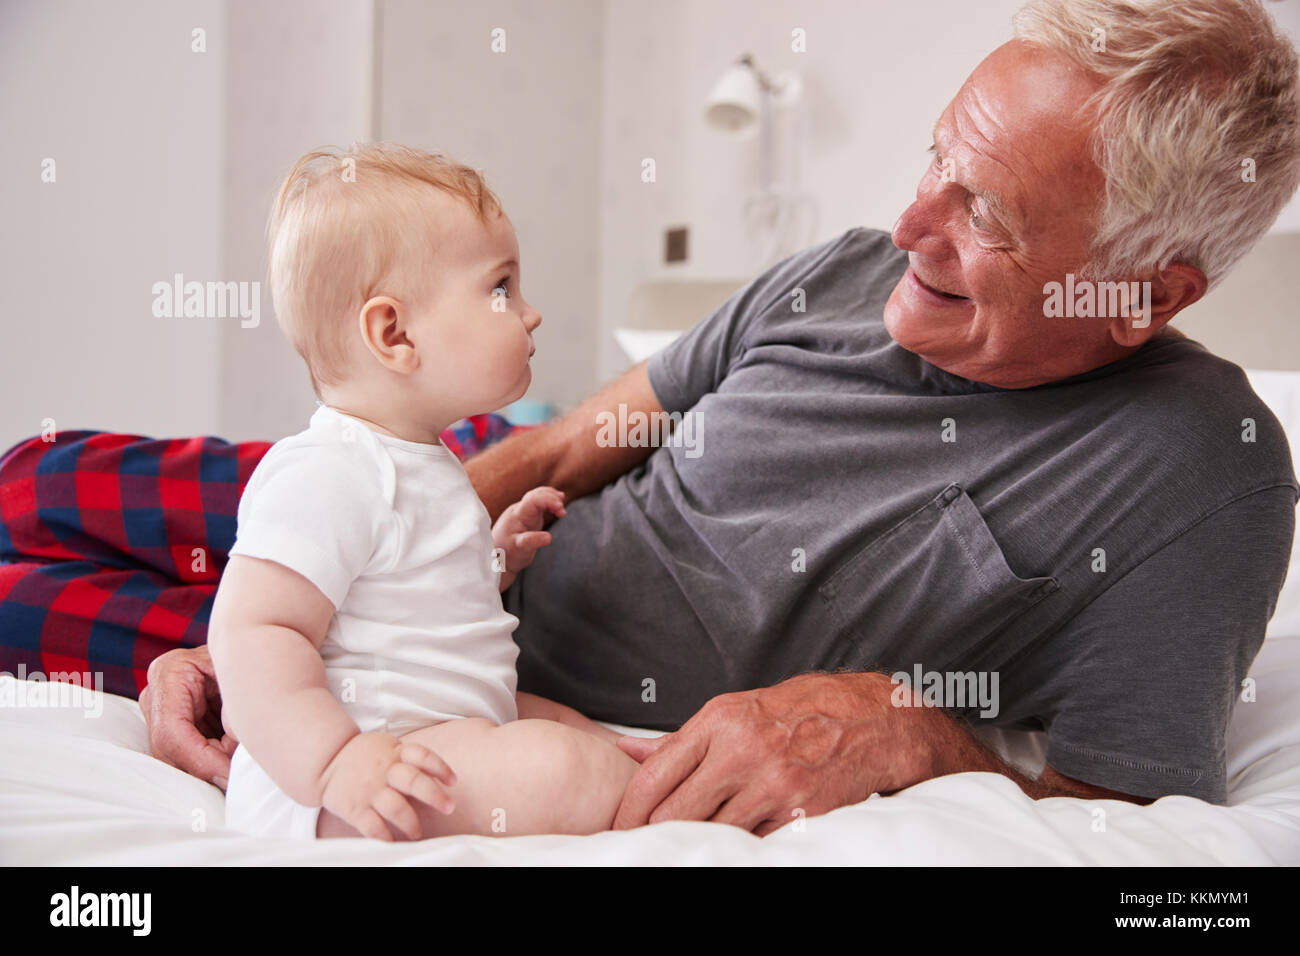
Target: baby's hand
369,780
519,532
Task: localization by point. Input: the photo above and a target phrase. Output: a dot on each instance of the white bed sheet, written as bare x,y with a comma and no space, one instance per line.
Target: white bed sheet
82,790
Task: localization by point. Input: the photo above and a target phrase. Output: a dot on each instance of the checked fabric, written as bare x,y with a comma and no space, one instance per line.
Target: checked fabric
111,546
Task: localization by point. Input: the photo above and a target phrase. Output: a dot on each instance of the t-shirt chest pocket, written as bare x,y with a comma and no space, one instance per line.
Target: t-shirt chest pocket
932,587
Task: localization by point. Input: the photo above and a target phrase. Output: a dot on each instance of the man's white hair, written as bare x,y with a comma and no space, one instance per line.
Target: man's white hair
1198,97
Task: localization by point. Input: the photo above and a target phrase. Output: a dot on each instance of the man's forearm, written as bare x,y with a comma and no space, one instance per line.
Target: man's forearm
564,454
936,745
503,473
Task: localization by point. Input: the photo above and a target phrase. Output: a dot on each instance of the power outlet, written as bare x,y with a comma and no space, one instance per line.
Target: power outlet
675,244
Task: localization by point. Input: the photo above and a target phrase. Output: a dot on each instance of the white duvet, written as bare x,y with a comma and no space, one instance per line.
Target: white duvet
79,789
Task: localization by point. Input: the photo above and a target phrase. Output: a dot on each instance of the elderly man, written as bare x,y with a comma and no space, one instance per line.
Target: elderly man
917,460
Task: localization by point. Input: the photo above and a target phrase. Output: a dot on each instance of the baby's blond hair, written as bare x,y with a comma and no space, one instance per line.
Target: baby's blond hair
343,222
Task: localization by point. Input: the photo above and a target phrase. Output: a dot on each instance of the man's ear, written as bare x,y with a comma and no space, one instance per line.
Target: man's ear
383,328
1162,296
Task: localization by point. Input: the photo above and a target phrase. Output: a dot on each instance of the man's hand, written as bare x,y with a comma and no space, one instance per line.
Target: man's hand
759,759
519,532
182,709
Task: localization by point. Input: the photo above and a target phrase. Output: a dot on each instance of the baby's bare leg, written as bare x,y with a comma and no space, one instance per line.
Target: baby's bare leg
527,776
530,705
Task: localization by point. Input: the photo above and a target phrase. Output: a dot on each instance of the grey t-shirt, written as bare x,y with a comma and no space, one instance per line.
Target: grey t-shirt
1110,545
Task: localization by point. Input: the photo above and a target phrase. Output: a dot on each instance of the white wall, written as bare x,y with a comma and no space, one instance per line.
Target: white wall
132,118
167,161
297,80
529,118
876,77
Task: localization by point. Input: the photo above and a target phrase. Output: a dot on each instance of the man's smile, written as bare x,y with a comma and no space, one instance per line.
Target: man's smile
932,293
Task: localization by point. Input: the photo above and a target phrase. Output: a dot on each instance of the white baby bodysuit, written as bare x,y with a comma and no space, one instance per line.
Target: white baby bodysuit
392,532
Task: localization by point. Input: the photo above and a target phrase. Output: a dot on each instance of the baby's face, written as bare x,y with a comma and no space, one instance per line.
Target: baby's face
475,331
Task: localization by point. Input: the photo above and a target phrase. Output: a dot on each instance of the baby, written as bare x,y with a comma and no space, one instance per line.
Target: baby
364,657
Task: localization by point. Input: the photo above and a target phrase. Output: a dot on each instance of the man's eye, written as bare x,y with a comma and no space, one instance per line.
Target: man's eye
978,221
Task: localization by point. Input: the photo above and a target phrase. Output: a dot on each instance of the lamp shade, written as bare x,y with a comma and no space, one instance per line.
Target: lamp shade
735,101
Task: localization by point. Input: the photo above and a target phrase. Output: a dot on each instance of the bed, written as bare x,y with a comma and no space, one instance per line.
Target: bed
77,786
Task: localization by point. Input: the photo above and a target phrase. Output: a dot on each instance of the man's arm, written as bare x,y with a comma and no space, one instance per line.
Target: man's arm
1141,685
564,454
758,759
938,745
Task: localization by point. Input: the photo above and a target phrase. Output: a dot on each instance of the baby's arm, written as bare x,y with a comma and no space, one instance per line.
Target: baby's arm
267,625
518,532
266,630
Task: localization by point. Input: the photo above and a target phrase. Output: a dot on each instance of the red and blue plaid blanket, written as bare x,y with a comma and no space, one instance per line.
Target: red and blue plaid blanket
111,546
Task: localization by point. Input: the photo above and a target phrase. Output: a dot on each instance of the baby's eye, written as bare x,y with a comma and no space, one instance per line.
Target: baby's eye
503,287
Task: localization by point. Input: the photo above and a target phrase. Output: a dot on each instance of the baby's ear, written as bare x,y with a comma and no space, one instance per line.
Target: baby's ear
382,324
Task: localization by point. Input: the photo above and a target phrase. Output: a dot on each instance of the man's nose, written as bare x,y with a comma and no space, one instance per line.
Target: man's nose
920,228
907,230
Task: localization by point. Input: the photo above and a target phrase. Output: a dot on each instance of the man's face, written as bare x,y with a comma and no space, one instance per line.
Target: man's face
1008,204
